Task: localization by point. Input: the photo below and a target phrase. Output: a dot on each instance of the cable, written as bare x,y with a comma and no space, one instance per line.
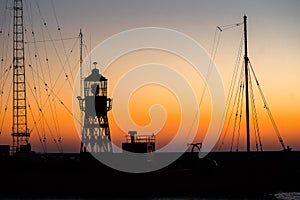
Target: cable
268,110
53,40
3,118
240,119
42,140
230,93
255,118
229,26
213,54
240,93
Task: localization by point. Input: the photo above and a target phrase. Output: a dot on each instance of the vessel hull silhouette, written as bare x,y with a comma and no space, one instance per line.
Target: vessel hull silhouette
219,173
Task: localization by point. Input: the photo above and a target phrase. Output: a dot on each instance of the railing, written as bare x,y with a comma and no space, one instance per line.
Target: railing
140,138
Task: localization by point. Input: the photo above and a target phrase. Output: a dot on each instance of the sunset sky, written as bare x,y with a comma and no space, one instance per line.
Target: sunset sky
273,45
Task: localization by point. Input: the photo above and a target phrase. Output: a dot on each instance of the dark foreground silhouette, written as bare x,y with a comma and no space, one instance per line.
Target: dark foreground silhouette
218,174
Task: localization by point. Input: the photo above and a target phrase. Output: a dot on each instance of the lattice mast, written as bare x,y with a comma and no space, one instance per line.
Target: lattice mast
20,133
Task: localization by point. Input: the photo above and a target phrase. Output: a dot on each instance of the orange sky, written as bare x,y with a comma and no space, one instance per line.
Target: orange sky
273,52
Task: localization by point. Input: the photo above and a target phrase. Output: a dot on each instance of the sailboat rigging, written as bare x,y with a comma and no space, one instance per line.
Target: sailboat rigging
245,92
218,172
36,97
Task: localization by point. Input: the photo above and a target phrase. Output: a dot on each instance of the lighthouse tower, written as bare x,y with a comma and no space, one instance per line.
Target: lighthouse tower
95,105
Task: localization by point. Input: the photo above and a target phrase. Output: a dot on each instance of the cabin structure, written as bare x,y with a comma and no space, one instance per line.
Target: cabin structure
139,143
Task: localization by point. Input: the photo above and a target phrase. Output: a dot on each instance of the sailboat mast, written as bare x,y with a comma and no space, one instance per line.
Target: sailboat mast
81,86
81,61
246,84
81,78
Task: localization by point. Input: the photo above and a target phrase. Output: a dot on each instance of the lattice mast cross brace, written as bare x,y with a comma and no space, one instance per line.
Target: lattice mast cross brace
20,133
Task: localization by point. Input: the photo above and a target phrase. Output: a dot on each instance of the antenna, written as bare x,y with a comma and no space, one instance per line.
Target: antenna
95,64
